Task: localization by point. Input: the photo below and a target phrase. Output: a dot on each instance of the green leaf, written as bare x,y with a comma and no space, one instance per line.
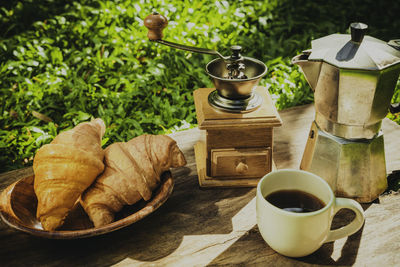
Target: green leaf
82,116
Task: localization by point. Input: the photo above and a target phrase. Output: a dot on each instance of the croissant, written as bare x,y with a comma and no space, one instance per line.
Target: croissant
132,172
65,168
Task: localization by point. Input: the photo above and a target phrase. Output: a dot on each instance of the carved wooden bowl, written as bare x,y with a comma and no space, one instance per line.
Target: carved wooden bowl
19,212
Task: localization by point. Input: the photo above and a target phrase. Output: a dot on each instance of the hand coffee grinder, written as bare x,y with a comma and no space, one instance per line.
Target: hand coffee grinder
237,115
353,78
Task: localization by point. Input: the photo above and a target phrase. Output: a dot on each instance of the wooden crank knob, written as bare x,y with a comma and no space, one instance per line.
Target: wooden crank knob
155,22
241,167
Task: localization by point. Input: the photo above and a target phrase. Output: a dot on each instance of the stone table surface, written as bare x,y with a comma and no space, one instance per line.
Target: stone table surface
217,227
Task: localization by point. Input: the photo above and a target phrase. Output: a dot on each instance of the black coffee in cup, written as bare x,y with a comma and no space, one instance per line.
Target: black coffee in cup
295,201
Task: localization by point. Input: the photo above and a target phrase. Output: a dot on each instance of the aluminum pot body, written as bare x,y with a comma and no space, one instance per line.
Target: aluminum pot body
349,103
353,168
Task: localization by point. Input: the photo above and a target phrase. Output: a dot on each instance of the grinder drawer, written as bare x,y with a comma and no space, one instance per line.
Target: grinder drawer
243,163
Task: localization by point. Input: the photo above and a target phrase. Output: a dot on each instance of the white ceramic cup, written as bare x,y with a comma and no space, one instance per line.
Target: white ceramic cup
300,234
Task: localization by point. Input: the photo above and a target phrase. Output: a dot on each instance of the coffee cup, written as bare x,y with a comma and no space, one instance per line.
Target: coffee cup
299,231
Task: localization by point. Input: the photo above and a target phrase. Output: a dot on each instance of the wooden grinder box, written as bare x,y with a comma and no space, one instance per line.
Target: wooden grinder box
237,150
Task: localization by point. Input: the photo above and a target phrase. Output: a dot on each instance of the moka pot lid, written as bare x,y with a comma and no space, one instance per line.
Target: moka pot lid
355,50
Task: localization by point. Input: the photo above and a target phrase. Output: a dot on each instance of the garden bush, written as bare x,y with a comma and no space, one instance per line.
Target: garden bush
64,62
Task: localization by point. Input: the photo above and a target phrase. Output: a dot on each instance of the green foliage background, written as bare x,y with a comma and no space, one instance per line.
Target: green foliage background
63,62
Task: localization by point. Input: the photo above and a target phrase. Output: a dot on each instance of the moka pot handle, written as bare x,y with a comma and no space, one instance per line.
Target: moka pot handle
394,108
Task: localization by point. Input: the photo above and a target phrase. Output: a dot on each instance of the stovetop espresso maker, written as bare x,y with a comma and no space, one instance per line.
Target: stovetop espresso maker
353,78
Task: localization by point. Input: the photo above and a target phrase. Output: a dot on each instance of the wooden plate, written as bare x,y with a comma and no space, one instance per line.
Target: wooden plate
23,203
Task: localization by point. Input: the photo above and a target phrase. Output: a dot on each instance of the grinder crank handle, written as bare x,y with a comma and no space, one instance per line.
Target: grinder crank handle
156,22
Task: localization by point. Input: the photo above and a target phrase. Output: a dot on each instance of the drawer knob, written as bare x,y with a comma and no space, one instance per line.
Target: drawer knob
241,167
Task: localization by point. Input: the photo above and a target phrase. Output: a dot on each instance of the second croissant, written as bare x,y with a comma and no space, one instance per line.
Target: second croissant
132,172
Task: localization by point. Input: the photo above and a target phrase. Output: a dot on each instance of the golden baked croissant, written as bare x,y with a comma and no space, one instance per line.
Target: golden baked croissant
132,172
65,168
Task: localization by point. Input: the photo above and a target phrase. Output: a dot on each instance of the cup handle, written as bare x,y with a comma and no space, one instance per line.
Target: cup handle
352,227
